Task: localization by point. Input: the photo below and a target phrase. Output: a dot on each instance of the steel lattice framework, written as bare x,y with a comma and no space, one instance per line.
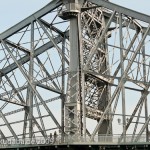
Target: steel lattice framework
74,67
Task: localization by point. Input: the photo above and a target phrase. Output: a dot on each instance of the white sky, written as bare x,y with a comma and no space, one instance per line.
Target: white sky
13,11
138,5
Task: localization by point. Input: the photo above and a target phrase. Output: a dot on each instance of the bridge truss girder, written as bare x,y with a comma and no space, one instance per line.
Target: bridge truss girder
87,59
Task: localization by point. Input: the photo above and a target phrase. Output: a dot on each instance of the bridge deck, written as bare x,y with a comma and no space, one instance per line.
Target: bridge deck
99,143
79,146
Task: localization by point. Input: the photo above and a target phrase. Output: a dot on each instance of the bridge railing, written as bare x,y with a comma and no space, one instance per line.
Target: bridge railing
58,140
103,139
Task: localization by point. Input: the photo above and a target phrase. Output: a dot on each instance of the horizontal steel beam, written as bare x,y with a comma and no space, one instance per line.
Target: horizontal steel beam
20,121
94,113
52,77
91,113
49,88
28,133
13,101
17,46
52,27
110,80
22,109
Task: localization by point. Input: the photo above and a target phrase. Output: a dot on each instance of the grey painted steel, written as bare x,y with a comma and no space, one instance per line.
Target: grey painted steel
2,135
146,104
63,92
31,92
100,39
22,109
49,88
37,52
122,72
73,102
142,129
121,80
51,39
12,101
36,92
51,6
122,10
8,125
82,80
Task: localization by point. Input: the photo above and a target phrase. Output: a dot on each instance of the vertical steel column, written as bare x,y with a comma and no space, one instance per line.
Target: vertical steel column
122,72
105,95
82,80
63,90
73,119
74,104
26,115
144,77
109,123
31,93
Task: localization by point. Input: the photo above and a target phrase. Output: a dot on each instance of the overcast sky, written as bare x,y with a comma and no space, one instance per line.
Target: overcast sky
138,5
13,11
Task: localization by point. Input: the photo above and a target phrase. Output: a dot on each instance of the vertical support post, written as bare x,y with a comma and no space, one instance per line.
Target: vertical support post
31,81
104,66
63,91
109,123
82,80
83,105
26,115
145,102
73,100
122,72
73,104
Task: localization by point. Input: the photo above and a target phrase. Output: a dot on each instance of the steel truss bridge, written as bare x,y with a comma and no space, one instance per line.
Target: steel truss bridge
76,72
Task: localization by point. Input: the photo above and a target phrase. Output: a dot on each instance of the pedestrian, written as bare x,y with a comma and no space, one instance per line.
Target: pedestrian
55,136
51,137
